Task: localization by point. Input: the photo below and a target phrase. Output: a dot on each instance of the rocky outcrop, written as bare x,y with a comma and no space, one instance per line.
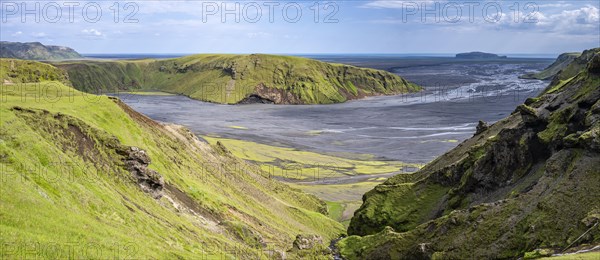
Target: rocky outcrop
136,162
481,126
303,242
264,94
529,181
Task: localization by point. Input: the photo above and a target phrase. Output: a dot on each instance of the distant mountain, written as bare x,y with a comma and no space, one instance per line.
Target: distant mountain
36,51
234,79
561,62
476,55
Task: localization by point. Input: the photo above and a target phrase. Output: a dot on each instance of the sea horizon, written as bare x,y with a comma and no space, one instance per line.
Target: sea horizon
309,55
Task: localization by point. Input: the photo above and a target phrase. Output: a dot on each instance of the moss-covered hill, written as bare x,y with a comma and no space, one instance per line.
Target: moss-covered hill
85,176
561,62
235,79
530,181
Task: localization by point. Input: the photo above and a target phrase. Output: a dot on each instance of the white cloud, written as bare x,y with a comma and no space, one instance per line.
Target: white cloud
92,34
585,20
554,5
16,34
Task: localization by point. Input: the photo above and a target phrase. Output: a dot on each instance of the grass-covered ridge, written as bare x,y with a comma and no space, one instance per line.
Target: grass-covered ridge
14,71
561,63
526,185
86,177
232,79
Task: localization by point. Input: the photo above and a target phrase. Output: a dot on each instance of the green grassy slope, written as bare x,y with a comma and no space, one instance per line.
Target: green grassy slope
73,186
13,71
232,79
561,63
322,175
530,181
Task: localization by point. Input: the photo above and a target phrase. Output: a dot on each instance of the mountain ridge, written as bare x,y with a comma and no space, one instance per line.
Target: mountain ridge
36,51
233,79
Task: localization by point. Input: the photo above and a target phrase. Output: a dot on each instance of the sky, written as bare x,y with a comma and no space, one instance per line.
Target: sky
295,27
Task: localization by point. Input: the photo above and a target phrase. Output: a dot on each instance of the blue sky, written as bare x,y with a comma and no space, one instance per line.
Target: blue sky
274,27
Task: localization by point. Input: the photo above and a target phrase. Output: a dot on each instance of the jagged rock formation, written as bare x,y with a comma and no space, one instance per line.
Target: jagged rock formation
136,162
529,181
36,51
481,126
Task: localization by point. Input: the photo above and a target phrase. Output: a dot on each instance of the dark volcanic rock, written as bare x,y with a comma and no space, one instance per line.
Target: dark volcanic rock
481,126
256,99
136,162
594,65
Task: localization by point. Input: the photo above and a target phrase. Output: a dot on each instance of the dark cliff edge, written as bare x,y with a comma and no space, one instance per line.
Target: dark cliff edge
528,182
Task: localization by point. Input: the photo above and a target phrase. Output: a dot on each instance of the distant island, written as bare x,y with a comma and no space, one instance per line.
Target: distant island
476,55
36,51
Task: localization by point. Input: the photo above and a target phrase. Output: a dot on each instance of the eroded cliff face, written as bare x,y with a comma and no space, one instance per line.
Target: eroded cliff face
529,181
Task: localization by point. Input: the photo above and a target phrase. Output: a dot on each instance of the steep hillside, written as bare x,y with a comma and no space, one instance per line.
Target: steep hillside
235,79
36,51
561,62
85,176
529,181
